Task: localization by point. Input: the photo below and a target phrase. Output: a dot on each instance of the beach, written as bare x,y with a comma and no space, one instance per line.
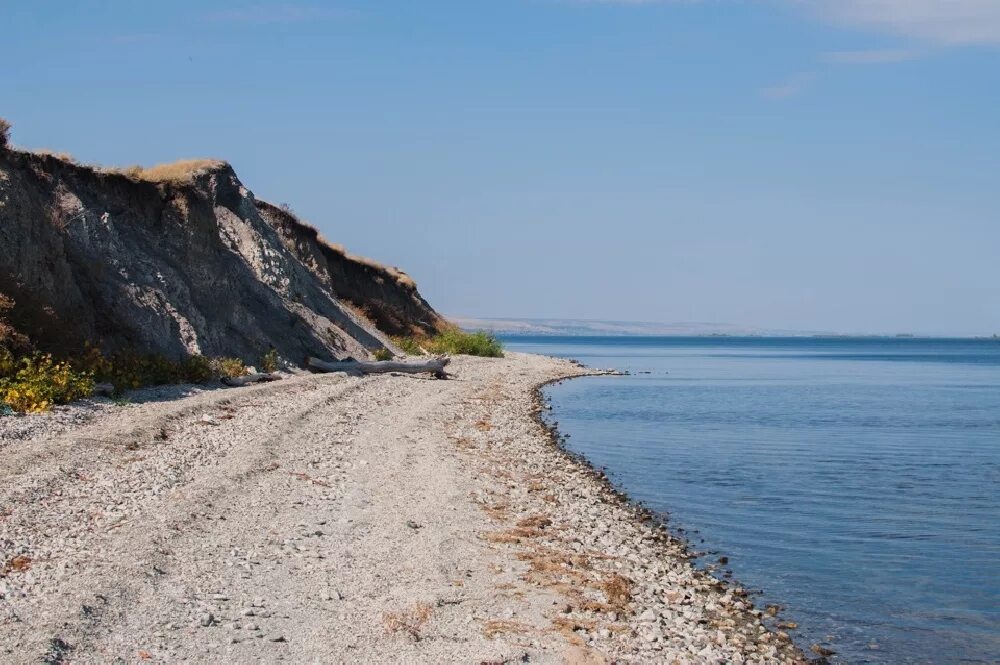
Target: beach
326,518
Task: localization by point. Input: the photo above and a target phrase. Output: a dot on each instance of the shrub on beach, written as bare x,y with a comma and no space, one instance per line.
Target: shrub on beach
270,361
229,367
196,369
129,370
454,341
35,383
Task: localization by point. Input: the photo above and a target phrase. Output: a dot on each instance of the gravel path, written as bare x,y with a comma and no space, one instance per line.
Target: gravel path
335,519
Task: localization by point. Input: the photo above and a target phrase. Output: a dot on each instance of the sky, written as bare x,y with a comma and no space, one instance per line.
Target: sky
796,164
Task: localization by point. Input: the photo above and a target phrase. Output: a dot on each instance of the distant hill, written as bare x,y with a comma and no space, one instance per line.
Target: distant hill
598,327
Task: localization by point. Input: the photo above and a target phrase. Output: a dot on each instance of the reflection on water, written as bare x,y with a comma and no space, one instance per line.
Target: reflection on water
854,481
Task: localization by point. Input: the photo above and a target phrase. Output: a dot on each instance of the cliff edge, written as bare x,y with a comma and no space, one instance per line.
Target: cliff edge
182,260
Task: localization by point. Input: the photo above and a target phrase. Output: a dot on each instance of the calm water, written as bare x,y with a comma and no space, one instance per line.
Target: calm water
854,481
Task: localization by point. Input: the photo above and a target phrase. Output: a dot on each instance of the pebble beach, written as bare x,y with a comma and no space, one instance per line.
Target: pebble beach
326,518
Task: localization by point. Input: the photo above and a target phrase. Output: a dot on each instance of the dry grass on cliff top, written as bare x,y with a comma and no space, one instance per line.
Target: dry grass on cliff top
177,172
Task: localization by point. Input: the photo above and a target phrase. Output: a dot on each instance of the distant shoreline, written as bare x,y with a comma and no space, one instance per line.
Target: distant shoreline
601,328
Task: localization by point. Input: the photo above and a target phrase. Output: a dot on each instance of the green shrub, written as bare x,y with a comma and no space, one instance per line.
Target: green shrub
454,341
197,369
270,361
35,383
41,382
408,345
382,354
128,370
458,341
229,367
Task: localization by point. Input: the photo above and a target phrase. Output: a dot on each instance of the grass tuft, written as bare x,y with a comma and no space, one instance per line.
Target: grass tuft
618,590
496,627
62,156
410,621
176,173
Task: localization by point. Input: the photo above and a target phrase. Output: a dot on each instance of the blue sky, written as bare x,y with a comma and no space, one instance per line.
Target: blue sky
801,164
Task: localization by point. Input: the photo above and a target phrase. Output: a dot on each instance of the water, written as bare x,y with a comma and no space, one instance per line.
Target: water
854,481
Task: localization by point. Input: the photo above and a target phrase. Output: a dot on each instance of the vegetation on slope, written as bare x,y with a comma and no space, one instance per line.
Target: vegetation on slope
178,172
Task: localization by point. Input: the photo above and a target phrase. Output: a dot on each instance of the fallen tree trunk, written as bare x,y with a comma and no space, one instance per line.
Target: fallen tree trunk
235,381
434,366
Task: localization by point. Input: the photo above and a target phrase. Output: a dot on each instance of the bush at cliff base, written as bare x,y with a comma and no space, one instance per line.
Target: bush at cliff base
36,383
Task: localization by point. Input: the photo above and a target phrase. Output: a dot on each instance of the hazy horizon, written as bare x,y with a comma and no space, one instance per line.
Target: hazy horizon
821,165
529,326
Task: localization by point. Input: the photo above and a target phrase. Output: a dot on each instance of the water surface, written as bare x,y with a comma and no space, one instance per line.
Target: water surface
854,481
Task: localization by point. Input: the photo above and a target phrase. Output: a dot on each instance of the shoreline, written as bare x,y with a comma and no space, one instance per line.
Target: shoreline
667,540
335,519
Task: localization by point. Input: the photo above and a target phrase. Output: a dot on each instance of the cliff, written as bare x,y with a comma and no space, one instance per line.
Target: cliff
180,260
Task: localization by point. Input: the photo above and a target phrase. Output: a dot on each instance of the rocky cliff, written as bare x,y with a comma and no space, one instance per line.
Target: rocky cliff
181,261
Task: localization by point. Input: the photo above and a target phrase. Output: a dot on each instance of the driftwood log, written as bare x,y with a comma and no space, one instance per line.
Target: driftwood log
235,381
434,366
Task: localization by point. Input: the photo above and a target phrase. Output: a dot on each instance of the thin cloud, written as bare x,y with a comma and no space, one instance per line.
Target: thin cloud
947,22
792,87
279,13
951,22
872,57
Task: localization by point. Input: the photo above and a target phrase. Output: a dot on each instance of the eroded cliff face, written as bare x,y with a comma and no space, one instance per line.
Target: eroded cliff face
387,296
182,266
